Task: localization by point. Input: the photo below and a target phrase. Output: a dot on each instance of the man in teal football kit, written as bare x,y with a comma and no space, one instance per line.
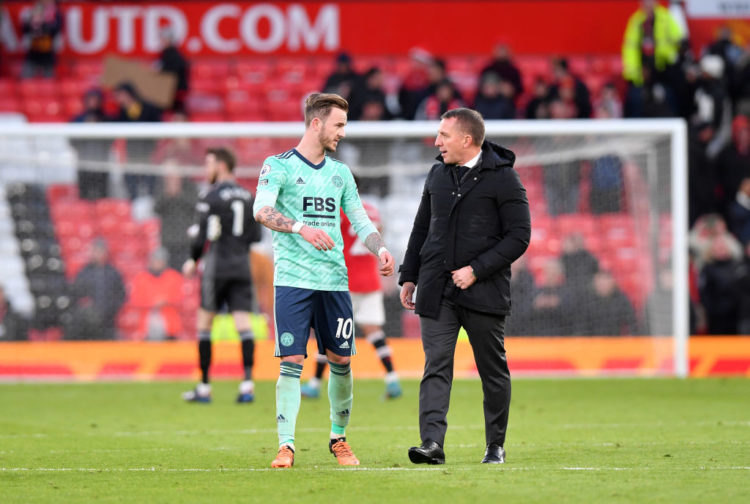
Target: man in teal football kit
300,196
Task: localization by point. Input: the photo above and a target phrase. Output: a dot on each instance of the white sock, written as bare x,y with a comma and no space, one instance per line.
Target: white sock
247,387
391,377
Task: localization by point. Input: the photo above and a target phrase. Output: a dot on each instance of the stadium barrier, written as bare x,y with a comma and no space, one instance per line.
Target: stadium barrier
92,361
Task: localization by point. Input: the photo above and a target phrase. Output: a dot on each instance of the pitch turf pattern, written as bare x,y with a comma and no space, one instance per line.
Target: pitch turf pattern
569,441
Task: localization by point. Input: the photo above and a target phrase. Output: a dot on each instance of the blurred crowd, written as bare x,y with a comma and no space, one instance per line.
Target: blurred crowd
662,76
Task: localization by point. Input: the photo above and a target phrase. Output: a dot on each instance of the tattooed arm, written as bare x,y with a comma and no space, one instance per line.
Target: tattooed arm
374,242
276,221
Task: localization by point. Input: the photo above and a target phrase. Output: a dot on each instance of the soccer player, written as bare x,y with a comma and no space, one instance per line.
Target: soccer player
367,301
221,239
300,197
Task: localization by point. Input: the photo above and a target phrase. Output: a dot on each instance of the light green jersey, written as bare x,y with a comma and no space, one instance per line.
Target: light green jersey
314,195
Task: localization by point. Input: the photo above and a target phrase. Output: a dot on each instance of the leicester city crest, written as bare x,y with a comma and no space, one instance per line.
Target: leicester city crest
337,181
287,339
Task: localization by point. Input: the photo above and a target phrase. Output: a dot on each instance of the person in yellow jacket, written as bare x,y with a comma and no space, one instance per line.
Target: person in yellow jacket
652,39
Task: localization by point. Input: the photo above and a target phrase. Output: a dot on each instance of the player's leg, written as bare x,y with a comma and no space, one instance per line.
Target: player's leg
247,342
311,389
293,313
369,313
239,299
202,391
334,329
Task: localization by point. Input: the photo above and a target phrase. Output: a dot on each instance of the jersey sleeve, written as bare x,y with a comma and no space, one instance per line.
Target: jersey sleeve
197,231
355,211
271,180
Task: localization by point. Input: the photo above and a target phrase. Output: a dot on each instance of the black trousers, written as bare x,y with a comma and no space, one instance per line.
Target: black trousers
486,335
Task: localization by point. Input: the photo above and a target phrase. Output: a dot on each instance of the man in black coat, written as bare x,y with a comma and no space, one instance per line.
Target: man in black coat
472,223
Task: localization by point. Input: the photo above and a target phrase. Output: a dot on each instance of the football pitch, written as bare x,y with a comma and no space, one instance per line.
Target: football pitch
589,440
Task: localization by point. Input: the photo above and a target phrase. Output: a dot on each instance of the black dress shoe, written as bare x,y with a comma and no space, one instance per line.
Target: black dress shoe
494,455
429,453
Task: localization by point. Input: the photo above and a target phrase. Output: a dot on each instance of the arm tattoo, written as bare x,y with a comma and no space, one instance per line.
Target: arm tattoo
374,242
273,219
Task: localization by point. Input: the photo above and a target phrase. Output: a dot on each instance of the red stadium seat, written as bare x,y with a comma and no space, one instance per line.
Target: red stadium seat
217,70
35,88
8,88
120,208
255,71
8,104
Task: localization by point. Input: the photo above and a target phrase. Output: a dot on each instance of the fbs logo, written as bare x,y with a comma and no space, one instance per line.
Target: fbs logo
281,419
300,181
345,344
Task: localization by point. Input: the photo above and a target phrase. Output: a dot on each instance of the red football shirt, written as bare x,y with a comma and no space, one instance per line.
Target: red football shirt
361,263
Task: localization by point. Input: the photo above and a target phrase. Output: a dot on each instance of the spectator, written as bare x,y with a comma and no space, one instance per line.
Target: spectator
739,213
741,85
650,47
13,327
719,284
733,164
344,81
92,183
712,118
175,207
538,106
443,99
552,308
658,307
609,105
98,294
520,322
415,86
134,109
157,293
700,239
171,61
579,265
503,67
495,98
562,179
728,51
743,324
605,193
372,105
610,312
570,89
40,29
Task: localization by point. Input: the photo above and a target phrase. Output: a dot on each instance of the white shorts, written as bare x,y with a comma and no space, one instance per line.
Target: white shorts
368,308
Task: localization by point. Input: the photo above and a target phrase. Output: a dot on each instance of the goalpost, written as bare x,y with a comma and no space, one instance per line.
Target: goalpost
618,188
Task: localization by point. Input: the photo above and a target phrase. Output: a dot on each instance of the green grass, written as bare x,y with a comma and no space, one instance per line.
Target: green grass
577,441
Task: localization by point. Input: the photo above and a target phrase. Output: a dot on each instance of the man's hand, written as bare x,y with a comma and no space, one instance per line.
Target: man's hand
387,263
407,293
188,269
464,277
317,237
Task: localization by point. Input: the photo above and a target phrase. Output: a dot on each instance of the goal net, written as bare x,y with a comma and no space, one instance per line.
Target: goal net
604,279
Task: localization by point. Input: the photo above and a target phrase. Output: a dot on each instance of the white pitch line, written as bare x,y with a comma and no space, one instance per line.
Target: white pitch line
446,469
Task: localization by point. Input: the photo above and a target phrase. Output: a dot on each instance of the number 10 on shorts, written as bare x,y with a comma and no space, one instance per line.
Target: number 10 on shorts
344,328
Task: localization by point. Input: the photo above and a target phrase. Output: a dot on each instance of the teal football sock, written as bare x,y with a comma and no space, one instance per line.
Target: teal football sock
287,401
340,394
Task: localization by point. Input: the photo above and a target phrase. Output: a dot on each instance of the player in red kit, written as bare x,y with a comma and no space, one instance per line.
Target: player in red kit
367,302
